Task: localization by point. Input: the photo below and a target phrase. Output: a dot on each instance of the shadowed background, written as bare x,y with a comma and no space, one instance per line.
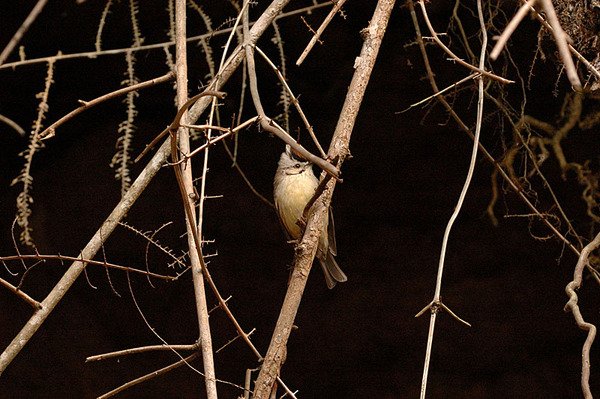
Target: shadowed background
359,340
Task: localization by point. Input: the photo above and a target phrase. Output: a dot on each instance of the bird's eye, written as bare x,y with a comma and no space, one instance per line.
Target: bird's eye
297,165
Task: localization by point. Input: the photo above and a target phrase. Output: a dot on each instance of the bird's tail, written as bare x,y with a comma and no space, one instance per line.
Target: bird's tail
332,271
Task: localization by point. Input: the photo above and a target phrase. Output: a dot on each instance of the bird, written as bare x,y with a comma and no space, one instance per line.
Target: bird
293,187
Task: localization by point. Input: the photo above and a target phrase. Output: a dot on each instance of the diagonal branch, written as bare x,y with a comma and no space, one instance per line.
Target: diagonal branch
127,201
306,249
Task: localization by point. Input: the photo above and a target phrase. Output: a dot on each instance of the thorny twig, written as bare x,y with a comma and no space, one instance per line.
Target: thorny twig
338,5
32,302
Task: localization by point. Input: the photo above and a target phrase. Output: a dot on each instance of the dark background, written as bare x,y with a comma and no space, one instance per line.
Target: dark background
359,340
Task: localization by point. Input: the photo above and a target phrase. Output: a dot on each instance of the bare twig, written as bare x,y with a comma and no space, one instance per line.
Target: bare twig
141,349
437,303
228,132
14,125
577,54
454,57
295,101
37,9
306,249
50,131
162,45
573,307
32,302
561,39
150,376
269,125
338,5
511,27
124,205
87,261
245,178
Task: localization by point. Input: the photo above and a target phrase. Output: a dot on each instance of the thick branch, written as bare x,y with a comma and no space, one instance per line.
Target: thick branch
306,250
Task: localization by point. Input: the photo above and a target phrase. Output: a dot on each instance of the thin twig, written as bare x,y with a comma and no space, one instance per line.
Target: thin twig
577,54
149,376
14,125
208,35
295,101
32,302
270,126
573,307
37,9
50,131
141,349
561,39
87,261
338,5
454,57
437,303
306,249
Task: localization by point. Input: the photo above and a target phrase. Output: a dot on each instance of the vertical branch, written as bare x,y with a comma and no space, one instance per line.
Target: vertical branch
306,249
195,255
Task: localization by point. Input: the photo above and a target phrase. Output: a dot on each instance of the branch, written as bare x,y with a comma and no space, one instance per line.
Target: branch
50,131
306,249
436,38
162,45
573,307
127,201
461,124
149,376
437,304
142,349
32,302
195,251
37,9
87,261
338,5
270,126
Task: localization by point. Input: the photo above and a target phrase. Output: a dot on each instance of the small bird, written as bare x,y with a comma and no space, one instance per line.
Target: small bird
295,184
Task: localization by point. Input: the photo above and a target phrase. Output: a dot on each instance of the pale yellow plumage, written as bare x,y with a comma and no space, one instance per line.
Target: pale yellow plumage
295,184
